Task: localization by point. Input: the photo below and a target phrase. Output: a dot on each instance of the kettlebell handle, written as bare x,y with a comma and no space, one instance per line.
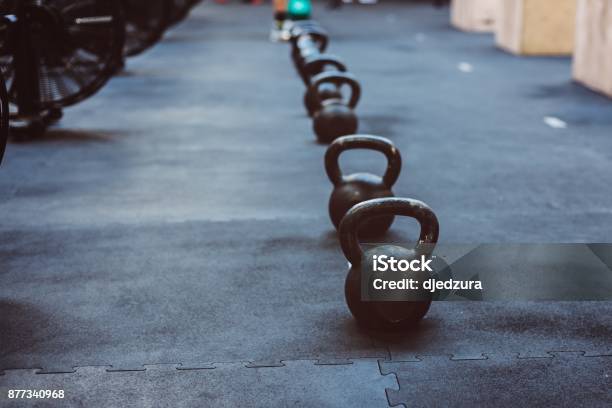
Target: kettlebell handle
380,144
316,63
316,34
338,79
349,227
304,27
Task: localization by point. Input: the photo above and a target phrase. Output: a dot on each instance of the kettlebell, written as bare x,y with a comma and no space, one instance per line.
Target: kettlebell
335,117
387,315
299,25
310,40
313,66
355,188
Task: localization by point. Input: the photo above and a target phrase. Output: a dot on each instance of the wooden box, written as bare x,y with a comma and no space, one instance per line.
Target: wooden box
474,15
593,52
536,27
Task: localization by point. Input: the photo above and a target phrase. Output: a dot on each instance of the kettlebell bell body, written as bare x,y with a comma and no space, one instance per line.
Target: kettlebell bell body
355,188
387,315
335,117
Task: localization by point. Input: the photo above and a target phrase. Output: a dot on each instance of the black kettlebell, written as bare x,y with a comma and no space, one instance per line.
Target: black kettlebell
298,26
308,41
313,66
387,315
335,117
355,188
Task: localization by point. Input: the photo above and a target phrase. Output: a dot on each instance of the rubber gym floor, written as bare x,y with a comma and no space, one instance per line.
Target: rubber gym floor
168,244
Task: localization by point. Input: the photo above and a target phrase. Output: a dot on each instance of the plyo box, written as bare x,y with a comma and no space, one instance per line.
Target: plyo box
593,52
536,27
474,15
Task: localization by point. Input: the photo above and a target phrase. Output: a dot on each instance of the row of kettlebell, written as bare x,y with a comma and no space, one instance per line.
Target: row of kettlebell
324,76
361,205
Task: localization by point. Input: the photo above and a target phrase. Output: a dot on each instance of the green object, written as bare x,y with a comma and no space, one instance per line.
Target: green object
299,9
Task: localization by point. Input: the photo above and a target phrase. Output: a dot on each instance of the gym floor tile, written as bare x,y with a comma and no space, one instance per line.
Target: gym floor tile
562,380
297,383
472,328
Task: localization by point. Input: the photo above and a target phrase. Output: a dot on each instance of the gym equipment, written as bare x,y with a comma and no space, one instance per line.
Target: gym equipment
145,23
387,315
307,41
4,117
299,9
317,63
313,66
298,25
355,188
56,53
180,10
334,117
